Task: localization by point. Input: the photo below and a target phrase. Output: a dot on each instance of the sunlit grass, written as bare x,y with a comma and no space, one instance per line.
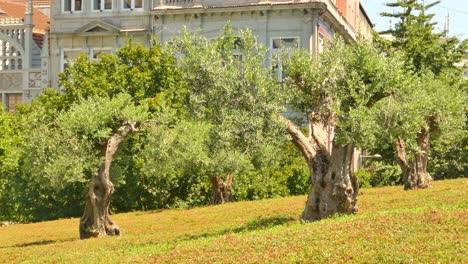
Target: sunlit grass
392,226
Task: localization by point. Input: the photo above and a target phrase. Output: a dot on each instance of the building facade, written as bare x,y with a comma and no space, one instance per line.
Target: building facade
94,27
24,55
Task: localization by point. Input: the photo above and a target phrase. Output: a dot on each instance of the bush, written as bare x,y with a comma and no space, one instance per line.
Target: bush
386,175
364,178
289,175
449,160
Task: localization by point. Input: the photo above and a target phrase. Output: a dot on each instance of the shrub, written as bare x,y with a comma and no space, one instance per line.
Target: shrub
364,178
386,175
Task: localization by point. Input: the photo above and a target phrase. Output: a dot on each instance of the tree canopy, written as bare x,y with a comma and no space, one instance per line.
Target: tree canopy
432,103
424,49
337,90
189,133
163,125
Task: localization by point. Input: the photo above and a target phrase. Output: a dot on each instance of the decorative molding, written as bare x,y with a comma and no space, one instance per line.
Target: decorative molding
11,81
35,80
260,7
97,27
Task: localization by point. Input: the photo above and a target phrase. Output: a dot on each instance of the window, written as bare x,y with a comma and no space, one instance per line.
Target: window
67,56
95,53
12,100
132,4
281,43
236,53
100,5
321,43
10,57
276,45
72,5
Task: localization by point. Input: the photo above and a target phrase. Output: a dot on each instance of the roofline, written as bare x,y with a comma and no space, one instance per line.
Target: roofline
361,7
256,7
320,6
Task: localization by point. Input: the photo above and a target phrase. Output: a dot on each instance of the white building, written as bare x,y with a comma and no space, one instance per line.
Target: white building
24,58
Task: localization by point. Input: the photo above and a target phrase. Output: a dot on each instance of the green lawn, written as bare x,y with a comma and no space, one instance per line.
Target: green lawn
392,226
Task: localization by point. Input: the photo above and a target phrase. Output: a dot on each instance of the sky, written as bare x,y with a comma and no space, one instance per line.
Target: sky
456,9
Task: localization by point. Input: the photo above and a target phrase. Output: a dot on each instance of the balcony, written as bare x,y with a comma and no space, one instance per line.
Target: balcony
180,2
177,3
11,21
158,4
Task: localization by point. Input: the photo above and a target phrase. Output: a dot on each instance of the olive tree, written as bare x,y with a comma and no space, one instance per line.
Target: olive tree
230,89
102,123
435,95
426,109
337,89
104,101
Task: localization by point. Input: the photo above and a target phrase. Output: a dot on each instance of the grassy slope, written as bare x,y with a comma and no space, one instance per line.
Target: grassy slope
426,226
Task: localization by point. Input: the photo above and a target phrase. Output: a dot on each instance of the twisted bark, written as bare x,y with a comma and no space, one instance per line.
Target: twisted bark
415,175
334,185
95,221
222,190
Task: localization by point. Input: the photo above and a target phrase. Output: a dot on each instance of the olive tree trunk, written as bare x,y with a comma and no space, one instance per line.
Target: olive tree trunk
334,190
334,185
415,175
222,190
95,221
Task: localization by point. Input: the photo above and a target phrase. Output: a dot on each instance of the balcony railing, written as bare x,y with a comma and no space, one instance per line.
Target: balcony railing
11,21
221,3
208,2
181,2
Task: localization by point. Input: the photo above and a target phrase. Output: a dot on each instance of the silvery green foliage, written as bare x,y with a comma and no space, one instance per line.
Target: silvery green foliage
230,88
67,149
97,118
343,84
231,115
427,100
172,163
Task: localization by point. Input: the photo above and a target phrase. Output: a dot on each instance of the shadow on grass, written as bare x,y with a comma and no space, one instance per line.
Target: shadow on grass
258,224
149,212
40,243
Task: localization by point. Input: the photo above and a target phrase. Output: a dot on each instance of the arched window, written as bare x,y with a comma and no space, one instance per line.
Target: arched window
11,56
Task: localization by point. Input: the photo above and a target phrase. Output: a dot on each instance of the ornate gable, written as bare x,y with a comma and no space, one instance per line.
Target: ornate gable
98,27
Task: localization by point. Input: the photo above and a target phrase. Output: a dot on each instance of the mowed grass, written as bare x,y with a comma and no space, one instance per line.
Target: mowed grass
392,226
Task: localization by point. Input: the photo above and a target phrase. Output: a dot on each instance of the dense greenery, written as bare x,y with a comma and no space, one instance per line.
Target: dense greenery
201,109
51,148
430,110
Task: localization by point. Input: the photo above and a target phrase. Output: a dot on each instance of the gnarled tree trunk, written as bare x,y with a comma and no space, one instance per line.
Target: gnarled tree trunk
334,186
334,190
415,175
95,221
222,190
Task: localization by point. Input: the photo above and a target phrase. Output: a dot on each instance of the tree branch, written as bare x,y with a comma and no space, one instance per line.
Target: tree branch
401,158
112,144
375,98
301,141
318,132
